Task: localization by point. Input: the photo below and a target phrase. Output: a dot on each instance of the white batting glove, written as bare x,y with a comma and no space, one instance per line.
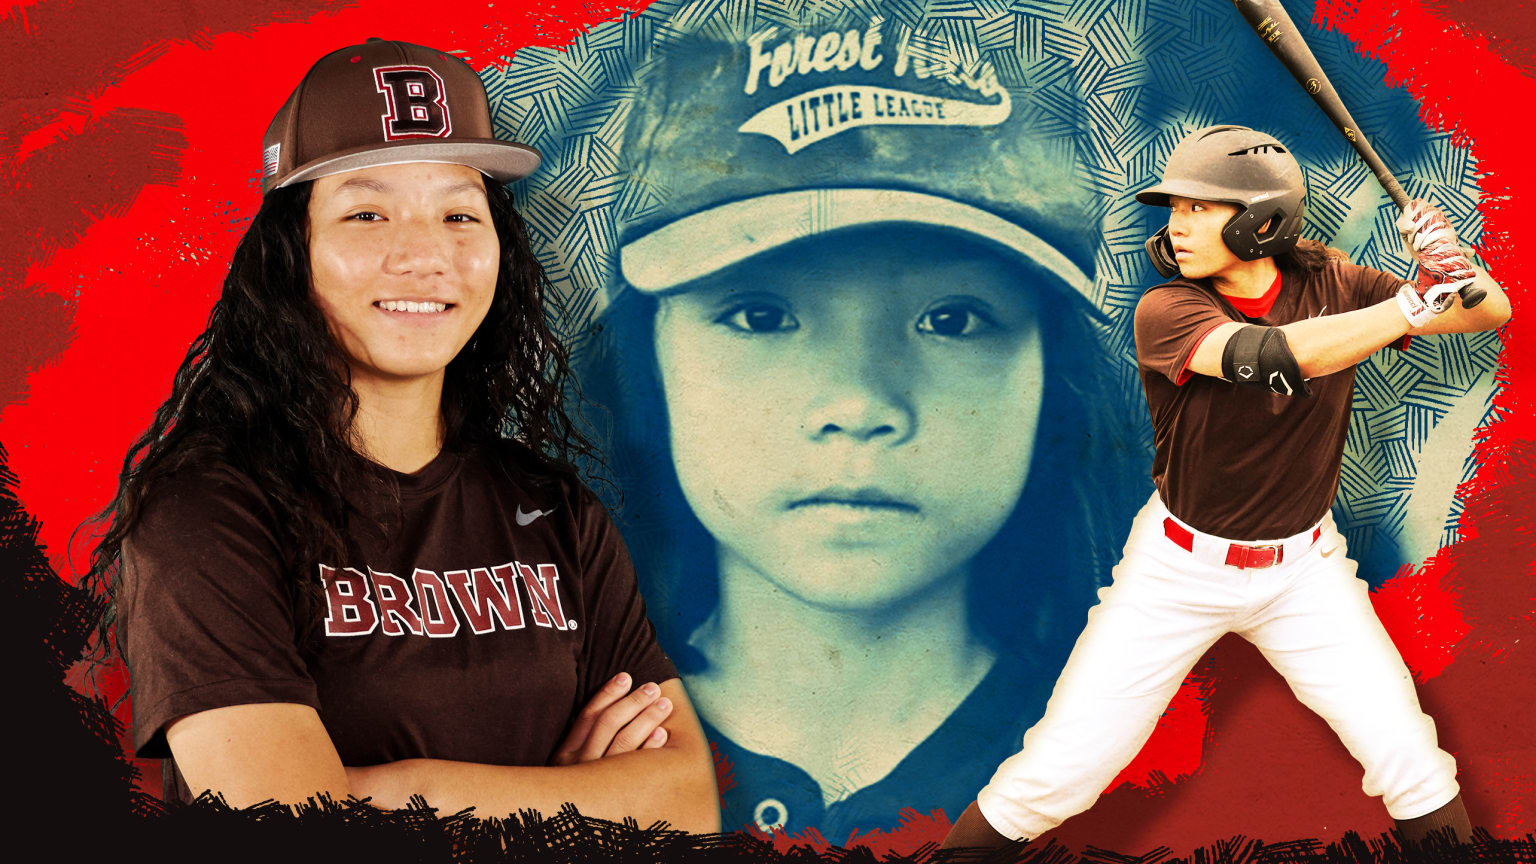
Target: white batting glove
1414,307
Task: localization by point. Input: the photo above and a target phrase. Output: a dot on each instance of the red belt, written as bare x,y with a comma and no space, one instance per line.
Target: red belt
1238,555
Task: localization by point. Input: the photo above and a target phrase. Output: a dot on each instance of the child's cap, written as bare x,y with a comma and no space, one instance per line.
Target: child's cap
741,145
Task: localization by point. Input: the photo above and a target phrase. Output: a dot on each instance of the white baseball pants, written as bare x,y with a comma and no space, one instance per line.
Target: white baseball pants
1309,616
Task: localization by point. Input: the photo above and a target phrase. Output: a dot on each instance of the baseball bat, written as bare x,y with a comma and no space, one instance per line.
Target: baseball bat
1269,20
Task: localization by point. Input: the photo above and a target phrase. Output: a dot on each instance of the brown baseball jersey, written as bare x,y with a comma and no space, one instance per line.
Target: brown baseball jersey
474,633
1236,460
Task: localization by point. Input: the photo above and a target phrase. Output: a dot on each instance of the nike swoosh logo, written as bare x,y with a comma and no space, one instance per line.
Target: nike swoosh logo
1330,551
526,519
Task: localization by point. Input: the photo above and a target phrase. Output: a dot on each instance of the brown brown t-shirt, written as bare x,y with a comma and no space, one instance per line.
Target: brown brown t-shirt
497,611
1235,460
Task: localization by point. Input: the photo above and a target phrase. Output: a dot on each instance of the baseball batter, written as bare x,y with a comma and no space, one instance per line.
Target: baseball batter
1247,355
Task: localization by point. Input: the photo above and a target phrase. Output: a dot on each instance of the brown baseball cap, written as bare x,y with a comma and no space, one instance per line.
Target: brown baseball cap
386,102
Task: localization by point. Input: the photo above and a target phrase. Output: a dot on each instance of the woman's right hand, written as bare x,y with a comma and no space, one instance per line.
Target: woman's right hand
616,721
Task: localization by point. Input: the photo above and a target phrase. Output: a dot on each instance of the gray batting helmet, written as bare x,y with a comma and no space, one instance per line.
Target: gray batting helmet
1238,165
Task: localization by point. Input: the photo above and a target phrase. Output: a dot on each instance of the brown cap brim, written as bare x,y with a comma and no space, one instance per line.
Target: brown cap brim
503,161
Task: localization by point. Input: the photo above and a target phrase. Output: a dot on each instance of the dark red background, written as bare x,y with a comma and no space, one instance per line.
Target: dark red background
129,140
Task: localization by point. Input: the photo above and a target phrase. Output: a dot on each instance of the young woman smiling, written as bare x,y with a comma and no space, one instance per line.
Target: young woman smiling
350,556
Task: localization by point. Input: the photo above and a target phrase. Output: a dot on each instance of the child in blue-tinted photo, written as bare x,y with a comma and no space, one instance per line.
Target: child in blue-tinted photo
860,418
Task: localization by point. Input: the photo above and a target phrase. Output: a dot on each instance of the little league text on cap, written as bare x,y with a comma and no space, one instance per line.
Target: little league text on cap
804,119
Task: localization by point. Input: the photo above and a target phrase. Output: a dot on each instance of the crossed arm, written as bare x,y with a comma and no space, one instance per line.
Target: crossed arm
639,754
1327,344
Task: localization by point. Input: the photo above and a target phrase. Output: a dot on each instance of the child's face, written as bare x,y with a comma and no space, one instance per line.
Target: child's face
853,418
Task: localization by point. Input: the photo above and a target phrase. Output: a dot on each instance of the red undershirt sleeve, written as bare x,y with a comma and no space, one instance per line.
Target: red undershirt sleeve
1184,373
1171,322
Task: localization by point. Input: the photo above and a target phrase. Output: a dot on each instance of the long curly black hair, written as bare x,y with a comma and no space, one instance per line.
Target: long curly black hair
265,390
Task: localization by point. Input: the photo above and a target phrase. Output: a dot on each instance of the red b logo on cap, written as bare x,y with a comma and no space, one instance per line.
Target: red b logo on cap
418,107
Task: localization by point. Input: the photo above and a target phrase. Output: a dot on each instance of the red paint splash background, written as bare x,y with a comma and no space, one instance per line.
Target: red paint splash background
128,145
